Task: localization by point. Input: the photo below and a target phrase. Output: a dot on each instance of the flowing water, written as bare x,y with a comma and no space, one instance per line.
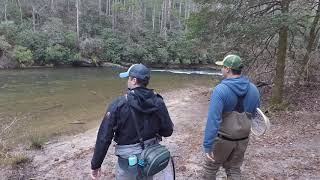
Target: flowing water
51,102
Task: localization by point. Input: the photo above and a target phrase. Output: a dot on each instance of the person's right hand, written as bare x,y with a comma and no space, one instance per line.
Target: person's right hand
95,173
209,156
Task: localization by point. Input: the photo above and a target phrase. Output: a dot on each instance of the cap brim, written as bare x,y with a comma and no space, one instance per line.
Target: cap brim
219,63
124,75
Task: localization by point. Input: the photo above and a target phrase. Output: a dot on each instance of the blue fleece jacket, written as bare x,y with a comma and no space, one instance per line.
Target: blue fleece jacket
224,99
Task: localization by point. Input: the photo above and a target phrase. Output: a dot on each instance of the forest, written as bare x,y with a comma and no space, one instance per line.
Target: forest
49,110
278,39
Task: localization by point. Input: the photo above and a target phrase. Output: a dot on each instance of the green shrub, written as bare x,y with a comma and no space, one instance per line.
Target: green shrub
36,42
57,55
135,53
70,40
113,49
162,55
23,55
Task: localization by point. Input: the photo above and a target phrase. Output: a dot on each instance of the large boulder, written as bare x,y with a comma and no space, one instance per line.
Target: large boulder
108,64
85,63
7,62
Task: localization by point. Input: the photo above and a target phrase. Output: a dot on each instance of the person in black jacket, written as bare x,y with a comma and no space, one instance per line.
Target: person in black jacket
152,118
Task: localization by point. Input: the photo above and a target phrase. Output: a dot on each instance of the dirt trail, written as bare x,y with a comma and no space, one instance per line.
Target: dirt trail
291,150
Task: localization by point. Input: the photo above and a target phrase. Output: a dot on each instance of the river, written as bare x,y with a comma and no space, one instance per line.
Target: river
43,103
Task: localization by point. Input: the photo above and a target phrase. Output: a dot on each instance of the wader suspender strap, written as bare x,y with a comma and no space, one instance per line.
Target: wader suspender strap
240,107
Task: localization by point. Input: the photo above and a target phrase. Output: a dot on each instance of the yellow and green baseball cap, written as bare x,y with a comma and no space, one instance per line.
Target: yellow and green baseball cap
231,61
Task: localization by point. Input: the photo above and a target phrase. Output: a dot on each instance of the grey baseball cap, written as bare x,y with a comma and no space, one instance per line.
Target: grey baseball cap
139,71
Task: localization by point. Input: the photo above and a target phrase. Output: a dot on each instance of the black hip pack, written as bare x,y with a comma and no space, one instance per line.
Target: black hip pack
153,158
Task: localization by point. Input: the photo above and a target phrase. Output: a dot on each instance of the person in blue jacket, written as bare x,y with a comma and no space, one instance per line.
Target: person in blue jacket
227,131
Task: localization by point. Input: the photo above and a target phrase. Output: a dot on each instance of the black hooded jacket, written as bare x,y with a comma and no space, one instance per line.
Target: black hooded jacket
152,117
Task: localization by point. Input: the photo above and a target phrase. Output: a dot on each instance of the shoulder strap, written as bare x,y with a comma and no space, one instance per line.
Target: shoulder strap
133,114
240,106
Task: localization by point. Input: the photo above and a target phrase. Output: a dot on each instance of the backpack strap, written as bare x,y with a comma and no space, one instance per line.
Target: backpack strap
134,117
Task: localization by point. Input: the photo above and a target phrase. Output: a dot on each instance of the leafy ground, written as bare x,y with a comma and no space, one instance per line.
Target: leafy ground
290,150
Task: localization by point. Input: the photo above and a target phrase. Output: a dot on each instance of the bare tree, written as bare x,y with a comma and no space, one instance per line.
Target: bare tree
68,6
20,9
311,40
5,11
169,13
180,10
277,92
186,9
113,16
99,8
153,16
52,4
34,18
78,13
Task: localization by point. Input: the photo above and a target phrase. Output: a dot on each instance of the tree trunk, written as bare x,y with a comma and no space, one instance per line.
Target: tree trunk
189,9
68,6
5,11
144,10
153,16
165,15
186,8
113,17
110,7
107,8
34,18
162,17
277,92
52,5
132,13
20,10
180,9
169,13
303,73
100,8
78,12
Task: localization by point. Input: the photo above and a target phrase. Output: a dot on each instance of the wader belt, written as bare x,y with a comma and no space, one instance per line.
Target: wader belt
229,139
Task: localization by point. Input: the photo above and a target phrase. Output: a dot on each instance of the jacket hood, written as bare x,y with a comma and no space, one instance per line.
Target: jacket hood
239,86
142,99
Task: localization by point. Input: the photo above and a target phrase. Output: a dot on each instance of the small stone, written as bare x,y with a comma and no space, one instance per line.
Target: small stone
318,126
182,168
72,145
56,159
313,155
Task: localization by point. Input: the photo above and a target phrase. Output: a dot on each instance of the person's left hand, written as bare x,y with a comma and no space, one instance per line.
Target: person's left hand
95,173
